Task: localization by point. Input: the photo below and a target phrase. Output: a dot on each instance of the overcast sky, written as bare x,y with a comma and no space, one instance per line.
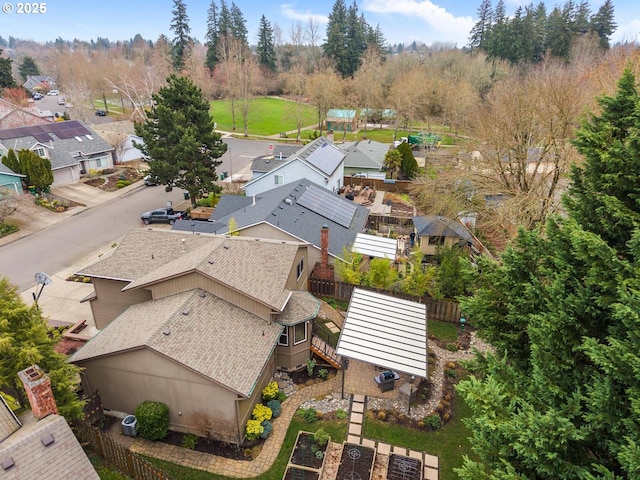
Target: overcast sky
402,21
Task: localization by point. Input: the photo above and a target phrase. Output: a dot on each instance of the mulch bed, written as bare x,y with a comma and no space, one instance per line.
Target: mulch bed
109,182
304,452
356,462
214,447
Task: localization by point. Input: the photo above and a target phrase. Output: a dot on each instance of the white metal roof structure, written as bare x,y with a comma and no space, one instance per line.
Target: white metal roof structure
386,331
375,246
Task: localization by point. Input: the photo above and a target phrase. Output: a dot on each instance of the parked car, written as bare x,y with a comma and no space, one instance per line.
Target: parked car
150,181
101,113
359,175
38,96
53,92
162,215
61,101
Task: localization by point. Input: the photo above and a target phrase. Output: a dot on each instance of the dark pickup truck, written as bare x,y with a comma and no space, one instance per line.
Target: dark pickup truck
162,215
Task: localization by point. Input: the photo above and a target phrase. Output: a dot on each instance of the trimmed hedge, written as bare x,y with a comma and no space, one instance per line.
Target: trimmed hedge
152,420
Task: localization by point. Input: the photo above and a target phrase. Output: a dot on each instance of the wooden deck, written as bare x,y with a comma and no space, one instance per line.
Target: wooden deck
326,352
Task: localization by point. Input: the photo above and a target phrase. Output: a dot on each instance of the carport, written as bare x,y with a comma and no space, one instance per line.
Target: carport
375,246
386,331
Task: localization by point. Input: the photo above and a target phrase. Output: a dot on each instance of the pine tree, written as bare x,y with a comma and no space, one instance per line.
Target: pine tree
36,168
180,140
238,24
10,160
212,36
6,77
25,340
265,49
28,68
335,46
603,23
182,40
480,31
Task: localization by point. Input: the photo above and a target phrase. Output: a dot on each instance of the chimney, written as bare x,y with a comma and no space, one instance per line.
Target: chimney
38,388
323,270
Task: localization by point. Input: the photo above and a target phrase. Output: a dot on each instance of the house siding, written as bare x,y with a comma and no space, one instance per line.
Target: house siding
427,249
126,380
10,183
196,280
110,301
294,357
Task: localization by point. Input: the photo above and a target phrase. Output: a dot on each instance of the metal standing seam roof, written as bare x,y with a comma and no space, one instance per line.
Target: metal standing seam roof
386,331
375,246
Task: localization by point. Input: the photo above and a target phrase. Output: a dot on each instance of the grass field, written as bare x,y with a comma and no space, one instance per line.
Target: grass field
267,116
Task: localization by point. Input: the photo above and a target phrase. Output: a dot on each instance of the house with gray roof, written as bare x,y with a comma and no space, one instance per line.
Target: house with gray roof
265,163
320,161
294,212
364,156
198,322
71,147
39,83
433,231
342,120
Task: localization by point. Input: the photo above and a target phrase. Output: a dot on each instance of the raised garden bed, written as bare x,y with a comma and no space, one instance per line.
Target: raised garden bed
305,452
356,462
404,468
295,473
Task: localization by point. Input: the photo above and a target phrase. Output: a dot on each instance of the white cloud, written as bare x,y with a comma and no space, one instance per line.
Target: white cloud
440,25
627,32
288,11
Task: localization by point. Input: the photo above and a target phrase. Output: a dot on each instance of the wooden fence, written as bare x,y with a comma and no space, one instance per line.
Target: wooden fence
395,186
117,455
443,310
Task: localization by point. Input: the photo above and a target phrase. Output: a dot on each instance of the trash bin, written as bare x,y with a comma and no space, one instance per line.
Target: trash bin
222,176
186,195
129,426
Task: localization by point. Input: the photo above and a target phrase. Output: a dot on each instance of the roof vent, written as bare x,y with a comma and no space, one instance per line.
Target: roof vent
7,463
185,312
226,247
288,201
166,332
202,294
47,440
281,207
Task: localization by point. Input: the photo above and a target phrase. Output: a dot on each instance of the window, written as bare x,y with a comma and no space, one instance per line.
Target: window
98,162
279,179
300,333
300,269
40,152
284,337
436,240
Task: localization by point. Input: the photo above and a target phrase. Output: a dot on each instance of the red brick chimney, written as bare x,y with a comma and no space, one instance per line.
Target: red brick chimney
324,270
38,388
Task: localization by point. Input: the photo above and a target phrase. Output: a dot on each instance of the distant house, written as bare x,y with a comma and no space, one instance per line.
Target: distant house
121,136
296,211
9,180
14,116
320,161
39,83
198,322
72,147
433,231
364,156
39,443
266,163
342,120
381,116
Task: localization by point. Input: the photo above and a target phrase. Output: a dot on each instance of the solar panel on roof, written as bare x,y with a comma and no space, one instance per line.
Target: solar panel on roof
325,158
42,137
329,205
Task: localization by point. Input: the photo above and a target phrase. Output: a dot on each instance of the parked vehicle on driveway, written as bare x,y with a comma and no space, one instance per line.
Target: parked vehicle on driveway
38,96
150,181
162,215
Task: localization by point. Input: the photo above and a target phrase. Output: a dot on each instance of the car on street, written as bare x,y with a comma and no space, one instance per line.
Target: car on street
101,113
38,96
61,101
150,181
162,215
53,92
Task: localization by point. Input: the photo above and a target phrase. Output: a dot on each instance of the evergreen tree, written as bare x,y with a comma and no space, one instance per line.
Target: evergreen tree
25,340
559,399
28,68
499,38
335,48
603,23
266,50
356,40
180,140
392,161
480,31
408,165
182,40
377,41
211,37
6,77
559,35
10,160
238,24
36,168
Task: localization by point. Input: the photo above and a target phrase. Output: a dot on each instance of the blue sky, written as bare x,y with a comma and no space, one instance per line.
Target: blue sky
401,20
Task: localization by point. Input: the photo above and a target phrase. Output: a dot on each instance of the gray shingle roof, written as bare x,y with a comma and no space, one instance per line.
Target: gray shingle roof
201,340
270,207
238,262
435,225
364,154
59,138
7,171
302,306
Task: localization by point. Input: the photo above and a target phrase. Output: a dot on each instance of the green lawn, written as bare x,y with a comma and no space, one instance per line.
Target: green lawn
337,430
443,330
267,116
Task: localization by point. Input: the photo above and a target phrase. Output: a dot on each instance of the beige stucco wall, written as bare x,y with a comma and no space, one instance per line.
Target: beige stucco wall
110,301
127,379
427,249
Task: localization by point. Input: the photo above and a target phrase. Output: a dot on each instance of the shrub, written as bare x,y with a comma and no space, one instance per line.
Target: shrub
270,391
309,414
190,441
433,421
152,420
341,414
323,373
281,396
451,373
420,424
261,413
254,429
321,437
311,364
7,229
267,429
122,183
319,454
452,347
382,415
274,405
